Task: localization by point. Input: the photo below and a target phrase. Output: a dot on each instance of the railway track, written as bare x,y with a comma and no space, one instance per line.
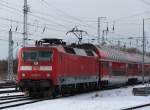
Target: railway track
137,107
7,84
9,100
11,97
8,87
18,102
9,91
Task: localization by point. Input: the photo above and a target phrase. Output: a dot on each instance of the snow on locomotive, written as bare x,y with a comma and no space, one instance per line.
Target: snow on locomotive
52,68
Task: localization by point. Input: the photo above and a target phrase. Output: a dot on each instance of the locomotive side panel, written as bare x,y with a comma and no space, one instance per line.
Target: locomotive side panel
78,69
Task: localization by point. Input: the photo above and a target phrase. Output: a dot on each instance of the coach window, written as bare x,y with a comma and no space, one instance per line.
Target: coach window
118,73
131,66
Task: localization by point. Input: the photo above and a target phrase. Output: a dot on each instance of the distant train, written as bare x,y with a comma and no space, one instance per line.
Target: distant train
52,67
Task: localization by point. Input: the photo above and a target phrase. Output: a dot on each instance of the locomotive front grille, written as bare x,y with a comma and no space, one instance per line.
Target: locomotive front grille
35,84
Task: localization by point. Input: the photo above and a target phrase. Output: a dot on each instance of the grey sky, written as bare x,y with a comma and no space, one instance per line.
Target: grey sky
59,16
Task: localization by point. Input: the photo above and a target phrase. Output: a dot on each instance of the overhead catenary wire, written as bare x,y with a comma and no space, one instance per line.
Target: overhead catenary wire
39,17
36,16
121,18
66,14
9,7
36,36
145,2
42,26
69,22
30,24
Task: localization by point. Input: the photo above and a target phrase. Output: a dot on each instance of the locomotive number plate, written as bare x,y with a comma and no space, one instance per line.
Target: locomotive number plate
36,68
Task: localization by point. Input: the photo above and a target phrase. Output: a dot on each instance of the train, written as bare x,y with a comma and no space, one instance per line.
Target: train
52,67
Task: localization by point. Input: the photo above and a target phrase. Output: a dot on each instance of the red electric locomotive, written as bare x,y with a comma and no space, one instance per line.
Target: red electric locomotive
53,68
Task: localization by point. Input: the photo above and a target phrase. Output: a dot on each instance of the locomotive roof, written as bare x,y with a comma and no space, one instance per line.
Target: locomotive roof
59,47
67,49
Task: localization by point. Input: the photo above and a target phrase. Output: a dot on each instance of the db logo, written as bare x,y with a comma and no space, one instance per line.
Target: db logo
35,63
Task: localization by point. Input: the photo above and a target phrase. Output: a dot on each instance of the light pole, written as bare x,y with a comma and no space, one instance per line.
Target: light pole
143,60
144,46
99,29
25,20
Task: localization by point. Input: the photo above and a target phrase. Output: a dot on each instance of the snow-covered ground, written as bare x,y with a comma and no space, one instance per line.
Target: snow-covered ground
106,100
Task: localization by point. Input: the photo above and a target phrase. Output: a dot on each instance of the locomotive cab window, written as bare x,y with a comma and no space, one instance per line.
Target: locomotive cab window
37,55
44,55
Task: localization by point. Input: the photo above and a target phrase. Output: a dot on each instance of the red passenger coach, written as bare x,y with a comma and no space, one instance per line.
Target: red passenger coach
55,68
118,67
115,62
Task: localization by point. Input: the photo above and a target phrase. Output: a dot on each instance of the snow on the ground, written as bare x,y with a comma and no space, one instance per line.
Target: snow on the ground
106,100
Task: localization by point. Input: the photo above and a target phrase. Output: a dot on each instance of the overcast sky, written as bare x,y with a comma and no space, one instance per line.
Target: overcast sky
57,17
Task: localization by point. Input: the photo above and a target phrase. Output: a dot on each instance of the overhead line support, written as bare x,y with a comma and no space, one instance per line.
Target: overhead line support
25,19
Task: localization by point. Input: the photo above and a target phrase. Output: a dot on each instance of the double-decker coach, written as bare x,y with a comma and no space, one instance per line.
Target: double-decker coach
118,67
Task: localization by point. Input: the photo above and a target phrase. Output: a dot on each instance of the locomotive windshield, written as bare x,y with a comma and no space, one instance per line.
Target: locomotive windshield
37,55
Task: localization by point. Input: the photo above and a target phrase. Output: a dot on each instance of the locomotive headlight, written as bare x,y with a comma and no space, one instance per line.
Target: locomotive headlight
48,75
25,68
46,68
23,74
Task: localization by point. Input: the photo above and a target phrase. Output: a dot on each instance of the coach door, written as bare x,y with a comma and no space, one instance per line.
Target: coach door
118,74
104,70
